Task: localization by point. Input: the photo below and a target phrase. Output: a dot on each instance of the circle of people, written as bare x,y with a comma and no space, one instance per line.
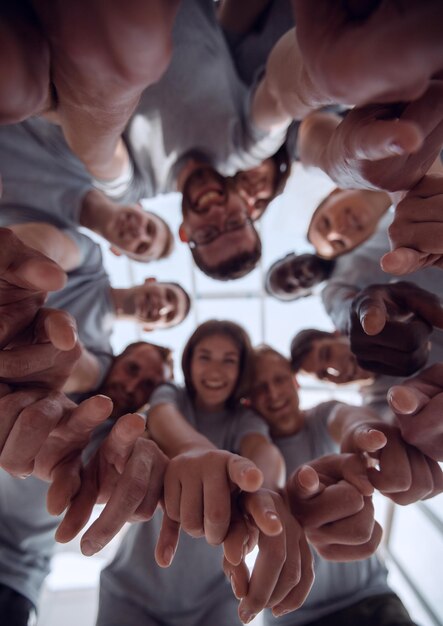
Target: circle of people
107,104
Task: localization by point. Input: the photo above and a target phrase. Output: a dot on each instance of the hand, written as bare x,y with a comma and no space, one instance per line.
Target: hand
370,33
198,487
283,571
331,497
388,147
390,327
416,234
404,474
126,473
44,354
418,405
25,278
39,429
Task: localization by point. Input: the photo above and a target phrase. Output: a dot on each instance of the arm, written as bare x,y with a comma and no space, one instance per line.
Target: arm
267,458
50,241
85,374
286,91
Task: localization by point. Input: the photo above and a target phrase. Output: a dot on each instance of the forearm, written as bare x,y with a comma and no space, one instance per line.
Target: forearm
267,457
50,241
85,375
173,433
286,91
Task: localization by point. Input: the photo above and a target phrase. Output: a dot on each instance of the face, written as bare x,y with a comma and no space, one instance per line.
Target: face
332,359
215,217
345,220
256,187
274,395
215,366
133,378
295,276
160,305
138,232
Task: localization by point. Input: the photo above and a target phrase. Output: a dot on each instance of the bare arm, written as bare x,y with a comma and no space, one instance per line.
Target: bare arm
50,241
85,374
267,458
286,92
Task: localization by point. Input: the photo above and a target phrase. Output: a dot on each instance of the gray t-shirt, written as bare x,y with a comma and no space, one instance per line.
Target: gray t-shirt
199,105
361,268
39,172
193,589
336,585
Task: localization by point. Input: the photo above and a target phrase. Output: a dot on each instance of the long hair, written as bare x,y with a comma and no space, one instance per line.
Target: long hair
239,336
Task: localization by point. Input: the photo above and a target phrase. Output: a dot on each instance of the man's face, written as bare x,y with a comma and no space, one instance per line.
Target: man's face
160,305
140,233
215,217
332,359
274,395
256,186
295,276
133,377
344,221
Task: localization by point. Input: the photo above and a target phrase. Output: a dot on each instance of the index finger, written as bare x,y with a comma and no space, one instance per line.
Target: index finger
371,312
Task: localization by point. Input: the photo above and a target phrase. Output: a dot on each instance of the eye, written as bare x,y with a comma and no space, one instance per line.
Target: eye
325,223
151,229
132,368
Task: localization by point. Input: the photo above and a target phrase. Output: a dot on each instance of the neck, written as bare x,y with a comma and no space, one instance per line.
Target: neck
96,211
212,408
123,301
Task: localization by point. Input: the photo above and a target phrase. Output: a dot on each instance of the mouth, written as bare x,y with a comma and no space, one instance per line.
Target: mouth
278,406
213,385
207,197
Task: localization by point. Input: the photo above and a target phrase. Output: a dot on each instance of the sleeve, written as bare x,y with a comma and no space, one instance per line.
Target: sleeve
167,393
317,423
248,422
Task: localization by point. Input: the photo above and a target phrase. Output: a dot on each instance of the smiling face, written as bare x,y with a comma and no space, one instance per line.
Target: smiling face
133,377
331,359
139,233
256,186
343,221
295,275
216,221
160,305
214,371
274,394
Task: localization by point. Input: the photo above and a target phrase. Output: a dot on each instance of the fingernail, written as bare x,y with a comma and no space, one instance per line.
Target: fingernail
90,547
396,148
272,516
278,611
168,553
246,616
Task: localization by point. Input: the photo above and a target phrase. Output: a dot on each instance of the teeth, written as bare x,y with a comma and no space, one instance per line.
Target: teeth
277,406
208,198
213,384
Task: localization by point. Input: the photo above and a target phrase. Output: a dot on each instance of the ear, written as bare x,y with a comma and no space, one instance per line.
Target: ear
182,234
296,383
337,333
150,280
115,250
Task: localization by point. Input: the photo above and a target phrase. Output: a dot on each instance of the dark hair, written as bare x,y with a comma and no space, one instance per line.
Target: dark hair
324,269
241,339
165,353
301,345
263,350
235,267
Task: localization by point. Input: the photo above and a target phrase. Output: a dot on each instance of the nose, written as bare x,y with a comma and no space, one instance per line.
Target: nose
131,385
273,392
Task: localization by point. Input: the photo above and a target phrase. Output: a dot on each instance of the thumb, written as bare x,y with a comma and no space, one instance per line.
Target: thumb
382,139
244,473
372,314
403,261
406,400
367,439
305,483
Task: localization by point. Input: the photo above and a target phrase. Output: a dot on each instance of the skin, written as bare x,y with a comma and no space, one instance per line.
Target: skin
209,201
155,305
351,48
390,327
295,276
345,220
130,229
133,377
315,498
256,186
331,359
417,408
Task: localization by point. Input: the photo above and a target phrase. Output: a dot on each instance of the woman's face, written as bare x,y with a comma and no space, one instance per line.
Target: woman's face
215,368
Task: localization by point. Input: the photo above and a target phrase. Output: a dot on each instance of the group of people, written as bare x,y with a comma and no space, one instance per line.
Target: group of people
105,105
